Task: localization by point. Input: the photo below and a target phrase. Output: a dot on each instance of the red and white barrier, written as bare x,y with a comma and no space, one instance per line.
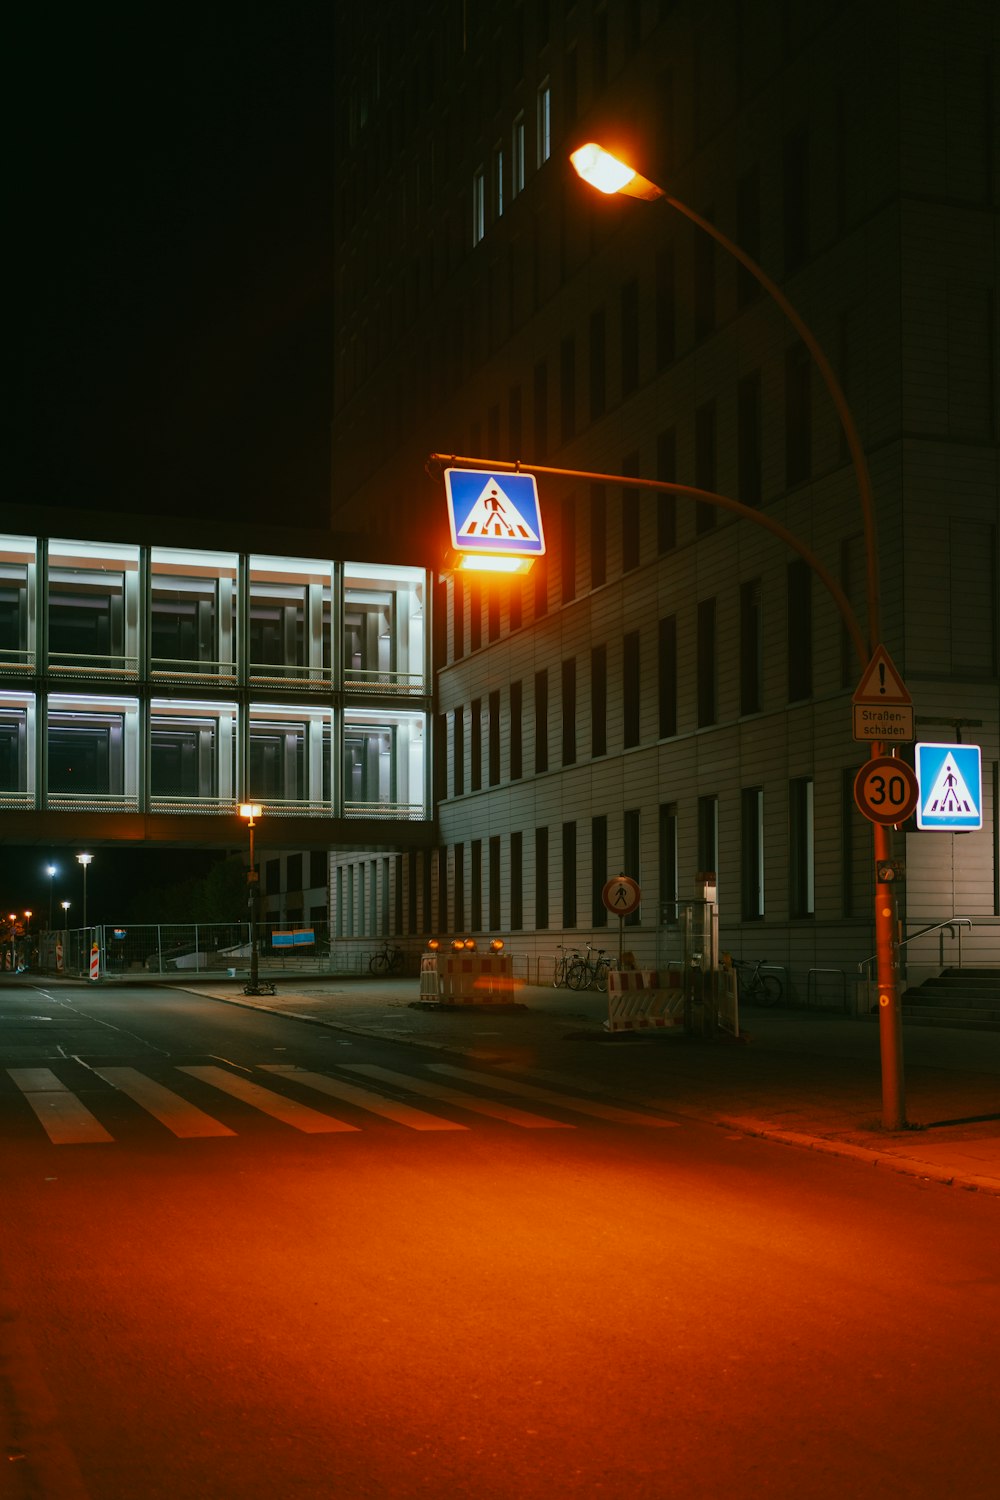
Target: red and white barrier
467,978
95,962
644,1000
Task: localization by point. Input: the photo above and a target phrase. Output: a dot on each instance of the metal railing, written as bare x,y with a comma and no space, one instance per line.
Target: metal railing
951,924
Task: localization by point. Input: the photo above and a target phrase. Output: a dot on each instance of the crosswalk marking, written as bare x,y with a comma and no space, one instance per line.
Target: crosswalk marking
506,1112
350,1093
65,1119
179,1116
549,1096
290,1111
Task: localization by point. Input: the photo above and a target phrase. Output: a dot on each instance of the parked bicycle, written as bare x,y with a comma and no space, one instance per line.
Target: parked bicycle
564,962
757,988
387,960
588,972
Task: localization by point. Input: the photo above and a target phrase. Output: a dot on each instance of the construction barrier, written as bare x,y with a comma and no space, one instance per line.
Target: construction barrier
644,999
95,962
467,978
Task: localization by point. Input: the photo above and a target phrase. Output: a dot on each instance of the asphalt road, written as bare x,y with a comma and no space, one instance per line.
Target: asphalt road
228,1293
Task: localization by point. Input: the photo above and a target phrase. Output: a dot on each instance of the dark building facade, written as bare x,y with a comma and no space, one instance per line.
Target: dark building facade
670,691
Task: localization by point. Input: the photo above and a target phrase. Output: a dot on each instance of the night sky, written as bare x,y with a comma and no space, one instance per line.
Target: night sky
170,210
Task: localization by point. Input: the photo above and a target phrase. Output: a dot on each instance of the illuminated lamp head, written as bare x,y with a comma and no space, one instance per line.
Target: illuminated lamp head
433,944
457,945
470,945
496,945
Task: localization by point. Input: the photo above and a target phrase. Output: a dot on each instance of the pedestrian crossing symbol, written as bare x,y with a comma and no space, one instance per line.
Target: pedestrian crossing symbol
951,787
495,520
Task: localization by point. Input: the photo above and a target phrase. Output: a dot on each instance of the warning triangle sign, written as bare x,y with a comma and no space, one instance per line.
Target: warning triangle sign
949,794
880,682
495,514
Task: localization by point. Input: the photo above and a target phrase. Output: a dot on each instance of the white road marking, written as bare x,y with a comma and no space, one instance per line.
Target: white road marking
65,1119
290,1111
180,1117
376,1104
549,1096
505,1112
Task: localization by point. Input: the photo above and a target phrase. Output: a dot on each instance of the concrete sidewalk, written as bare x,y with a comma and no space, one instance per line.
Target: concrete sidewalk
810,1079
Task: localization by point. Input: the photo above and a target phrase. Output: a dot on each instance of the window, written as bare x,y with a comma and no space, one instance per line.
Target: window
569,711
668,862
799,630
567,548
541,721
599,870
569,874
541,411
515,731
708,834
599,700
748,233
667,676
478,205
517,157
192,754
383,760
17,596
798,415
540,579
493,612
494,883
632,854
442,889
666,503
475,616
289,758
458,616
476,745
630,336
704,283
795,203
705,654
458,753
93,752
541,878
801,894
459,887
494,738
383,627
544,121
704,464
748,439
93,607
318,867
751,646
598,535
598,364
497,180
192,614
666,308
630,516
567,388
516,881
476,872
752,853
630,689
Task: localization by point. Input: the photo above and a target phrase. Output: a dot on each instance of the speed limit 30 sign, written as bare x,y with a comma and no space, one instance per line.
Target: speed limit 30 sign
886,790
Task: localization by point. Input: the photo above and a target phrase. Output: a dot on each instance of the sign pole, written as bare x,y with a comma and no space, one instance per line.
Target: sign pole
890,1021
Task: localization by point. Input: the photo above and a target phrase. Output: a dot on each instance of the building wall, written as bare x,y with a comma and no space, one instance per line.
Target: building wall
852,150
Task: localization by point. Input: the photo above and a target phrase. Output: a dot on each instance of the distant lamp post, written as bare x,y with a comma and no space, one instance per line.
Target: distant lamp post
84,860
608,174
65,906
52,871
250,812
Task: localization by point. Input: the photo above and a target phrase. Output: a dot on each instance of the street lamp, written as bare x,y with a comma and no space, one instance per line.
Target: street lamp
250,811
65,906
84,860
602,170
52,871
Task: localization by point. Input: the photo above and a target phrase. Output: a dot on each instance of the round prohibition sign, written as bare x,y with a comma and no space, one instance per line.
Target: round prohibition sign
621,895
886,790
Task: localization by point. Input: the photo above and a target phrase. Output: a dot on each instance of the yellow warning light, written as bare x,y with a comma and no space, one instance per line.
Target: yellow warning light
469,562
496,945
433,944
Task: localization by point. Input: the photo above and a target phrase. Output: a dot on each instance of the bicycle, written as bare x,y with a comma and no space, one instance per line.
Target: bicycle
757,988
387,960
563,964
587,972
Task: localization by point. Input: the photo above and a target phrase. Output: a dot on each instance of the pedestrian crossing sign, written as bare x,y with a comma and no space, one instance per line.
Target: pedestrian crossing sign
951,787
495,520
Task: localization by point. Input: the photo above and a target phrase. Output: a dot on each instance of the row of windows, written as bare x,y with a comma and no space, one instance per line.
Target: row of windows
619,689
174,614
84,751
481,886
488,189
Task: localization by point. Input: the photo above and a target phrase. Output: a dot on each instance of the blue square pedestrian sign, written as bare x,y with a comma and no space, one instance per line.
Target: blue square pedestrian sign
951,787
494,515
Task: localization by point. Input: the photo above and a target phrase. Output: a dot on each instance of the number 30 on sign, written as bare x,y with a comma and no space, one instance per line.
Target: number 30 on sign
886,790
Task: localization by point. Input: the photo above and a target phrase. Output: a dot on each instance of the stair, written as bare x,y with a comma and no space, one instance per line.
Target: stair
968,999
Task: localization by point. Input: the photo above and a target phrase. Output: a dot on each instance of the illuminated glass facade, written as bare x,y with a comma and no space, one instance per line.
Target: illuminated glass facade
165,679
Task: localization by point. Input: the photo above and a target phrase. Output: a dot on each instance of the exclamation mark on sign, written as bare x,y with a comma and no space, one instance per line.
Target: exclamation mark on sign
881,676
